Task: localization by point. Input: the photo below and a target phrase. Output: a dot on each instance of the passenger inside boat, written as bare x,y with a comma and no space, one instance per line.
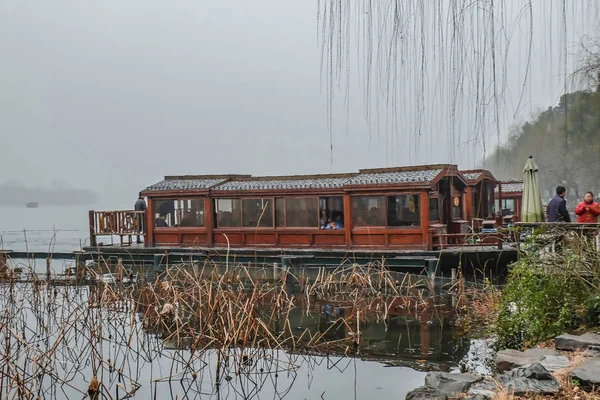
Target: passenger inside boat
324,220
161,221
187,220
331,210
332,225
337,218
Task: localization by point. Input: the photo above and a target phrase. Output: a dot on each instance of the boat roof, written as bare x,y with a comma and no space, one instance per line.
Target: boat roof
514,186
473,176
424,175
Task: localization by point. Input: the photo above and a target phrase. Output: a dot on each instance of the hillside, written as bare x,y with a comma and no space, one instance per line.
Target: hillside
565,142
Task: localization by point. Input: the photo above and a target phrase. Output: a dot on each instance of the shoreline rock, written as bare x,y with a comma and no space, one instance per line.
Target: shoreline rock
426,393
551,359
451,384
577,342
588,374
533,379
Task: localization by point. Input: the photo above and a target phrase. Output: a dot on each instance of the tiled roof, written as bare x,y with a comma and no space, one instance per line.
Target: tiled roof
283,184
184,184
471,176
333,181
425,175
511,187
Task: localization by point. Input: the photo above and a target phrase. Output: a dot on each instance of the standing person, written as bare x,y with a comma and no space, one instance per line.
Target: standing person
588,210
140,205
557,207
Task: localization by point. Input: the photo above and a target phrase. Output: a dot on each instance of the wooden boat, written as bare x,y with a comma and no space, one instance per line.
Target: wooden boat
479,197
406,208
509,199
32,204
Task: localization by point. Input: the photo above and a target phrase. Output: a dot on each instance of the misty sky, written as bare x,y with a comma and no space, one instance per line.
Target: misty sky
113,95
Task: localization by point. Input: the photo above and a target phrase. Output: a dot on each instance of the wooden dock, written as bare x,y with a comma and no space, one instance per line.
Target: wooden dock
472,259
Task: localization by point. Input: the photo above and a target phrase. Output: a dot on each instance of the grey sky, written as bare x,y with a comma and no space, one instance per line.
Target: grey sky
113,95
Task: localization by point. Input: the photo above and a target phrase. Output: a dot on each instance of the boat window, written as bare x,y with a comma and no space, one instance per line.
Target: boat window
434,209
302,212
403,210
368,211
179,212
508,207
257,213
331,209
229,213
280,212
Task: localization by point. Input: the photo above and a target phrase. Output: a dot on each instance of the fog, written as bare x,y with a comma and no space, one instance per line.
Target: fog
113,95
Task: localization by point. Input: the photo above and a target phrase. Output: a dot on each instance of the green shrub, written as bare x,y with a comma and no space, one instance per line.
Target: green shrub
537,305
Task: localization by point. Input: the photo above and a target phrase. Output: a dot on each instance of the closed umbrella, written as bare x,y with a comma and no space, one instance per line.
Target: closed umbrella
531,209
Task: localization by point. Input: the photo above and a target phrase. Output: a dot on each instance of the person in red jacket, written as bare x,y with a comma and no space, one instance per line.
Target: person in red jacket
588,210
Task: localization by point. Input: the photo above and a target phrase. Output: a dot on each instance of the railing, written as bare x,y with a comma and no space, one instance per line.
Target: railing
442,240
120,223
554,233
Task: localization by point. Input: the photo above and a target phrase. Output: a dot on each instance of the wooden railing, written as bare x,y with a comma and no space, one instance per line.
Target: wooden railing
443,240
122,223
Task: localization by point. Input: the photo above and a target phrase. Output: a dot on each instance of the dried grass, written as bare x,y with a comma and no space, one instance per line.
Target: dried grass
217,323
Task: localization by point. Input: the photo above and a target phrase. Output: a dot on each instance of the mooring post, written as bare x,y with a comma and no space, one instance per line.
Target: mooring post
48,271
3,264
79,266
432,267
120,268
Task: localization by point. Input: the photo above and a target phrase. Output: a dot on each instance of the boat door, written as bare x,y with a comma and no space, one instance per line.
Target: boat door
445,190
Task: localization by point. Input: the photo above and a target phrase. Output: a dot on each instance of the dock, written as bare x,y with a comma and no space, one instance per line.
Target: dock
472,259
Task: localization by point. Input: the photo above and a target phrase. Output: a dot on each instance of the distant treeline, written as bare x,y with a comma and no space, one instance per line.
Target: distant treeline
565,142
15,194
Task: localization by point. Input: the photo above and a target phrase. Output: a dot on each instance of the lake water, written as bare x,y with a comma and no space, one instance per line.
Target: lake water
44,228
393,359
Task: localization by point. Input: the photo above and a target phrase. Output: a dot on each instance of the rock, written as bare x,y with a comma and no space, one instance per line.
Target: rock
574,342
533,379
510,359
592,352
555,363
477,397
426,393
451,384
485,388
588,374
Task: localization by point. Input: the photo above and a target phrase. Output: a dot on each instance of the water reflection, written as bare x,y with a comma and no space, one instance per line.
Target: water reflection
56,339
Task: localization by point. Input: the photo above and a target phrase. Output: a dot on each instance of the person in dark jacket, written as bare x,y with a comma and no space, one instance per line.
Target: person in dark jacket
140,205
557,207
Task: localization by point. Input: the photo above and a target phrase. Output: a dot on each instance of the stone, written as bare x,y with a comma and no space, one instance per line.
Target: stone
478,397
451,384
532,379
486,388
588,374
510,359
555,363
426,393
577,342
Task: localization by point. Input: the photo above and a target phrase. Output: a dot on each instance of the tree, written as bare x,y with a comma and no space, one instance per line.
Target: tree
564,140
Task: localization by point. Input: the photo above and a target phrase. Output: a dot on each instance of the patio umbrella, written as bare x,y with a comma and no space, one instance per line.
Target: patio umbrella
531,209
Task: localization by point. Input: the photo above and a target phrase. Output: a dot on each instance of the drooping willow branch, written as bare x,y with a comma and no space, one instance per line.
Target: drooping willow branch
441,68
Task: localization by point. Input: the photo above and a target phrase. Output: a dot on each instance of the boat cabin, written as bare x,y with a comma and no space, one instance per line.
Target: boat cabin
479,199
509,197
403,208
